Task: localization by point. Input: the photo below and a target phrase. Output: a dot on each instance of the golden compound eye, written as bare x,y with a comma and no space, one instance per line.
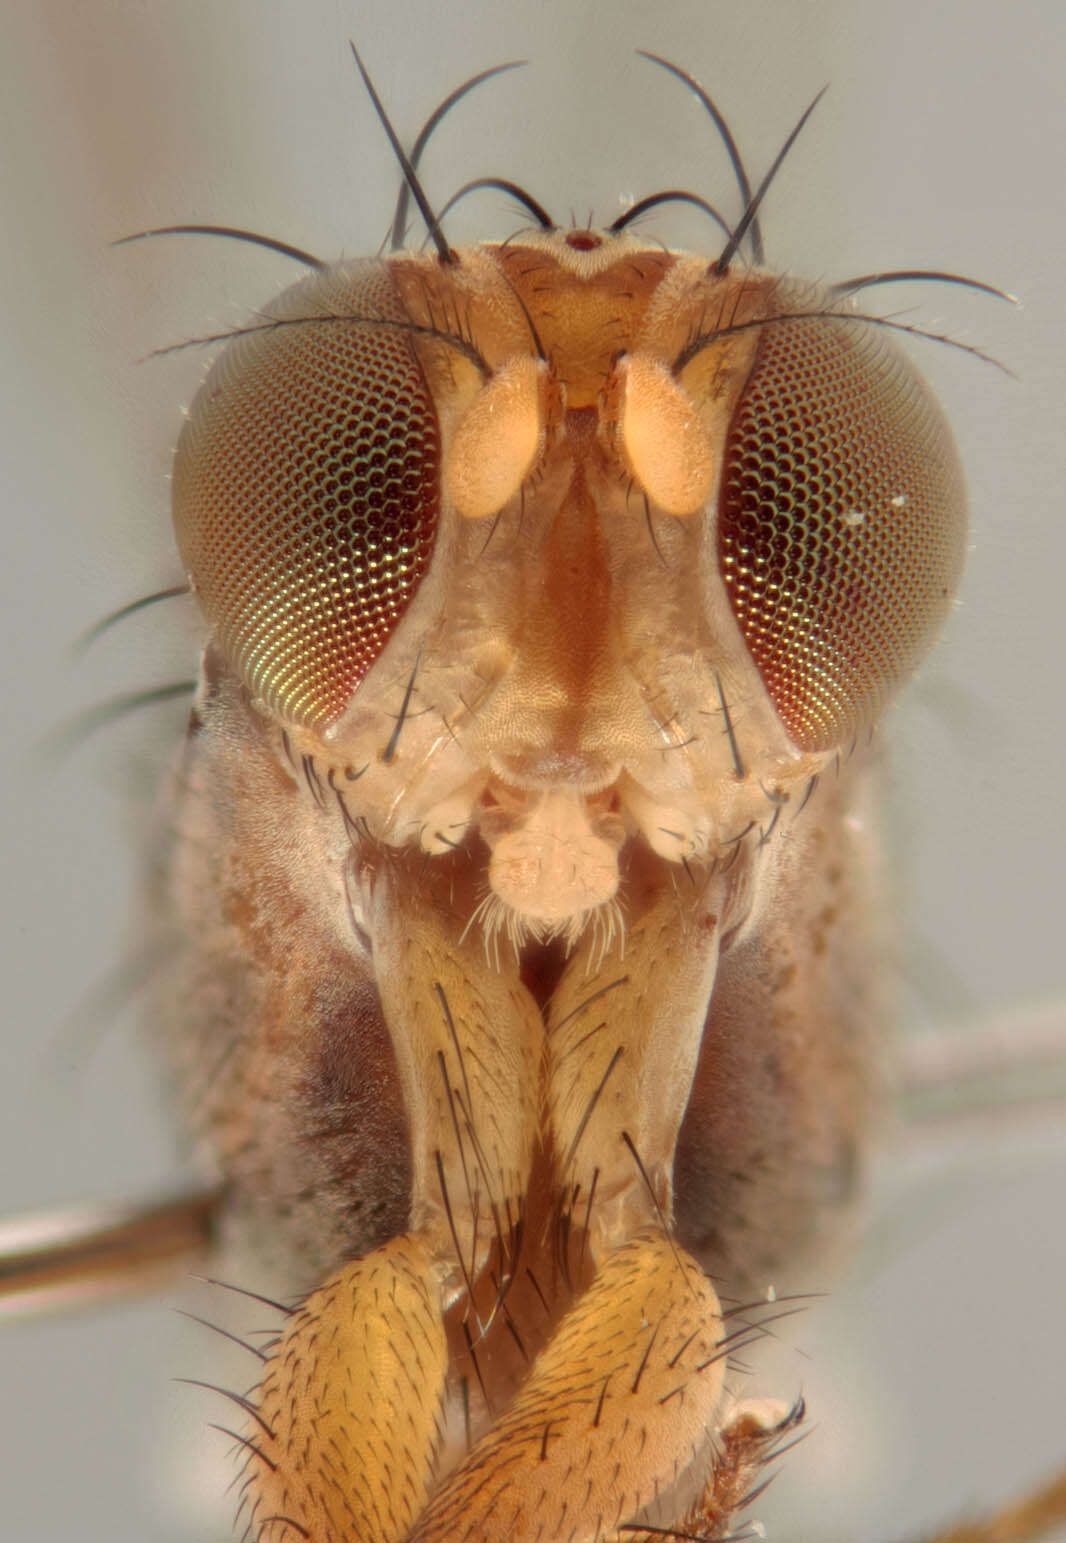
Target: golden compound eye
841,523
306,491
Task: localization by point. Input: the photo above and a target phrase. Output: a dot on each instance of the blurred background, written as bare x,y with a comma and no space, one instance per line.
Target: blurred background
934,1371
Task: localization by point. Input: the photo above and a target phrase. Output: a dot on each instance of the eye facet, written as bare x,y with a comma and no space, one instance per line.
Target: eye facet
306,490
841,523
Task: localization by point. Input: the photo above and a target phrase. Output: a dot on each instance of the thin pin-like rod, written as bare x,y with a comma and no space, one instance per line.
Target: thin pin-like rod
1033,1516
1012,1070
728,141
670,196
444,251
428,128
747,219
512,189
920,276
97,630
53,1260
231,233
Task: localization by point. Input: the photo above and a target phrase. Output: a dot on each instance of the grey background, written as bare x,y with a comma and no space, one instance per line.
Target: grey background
935,1372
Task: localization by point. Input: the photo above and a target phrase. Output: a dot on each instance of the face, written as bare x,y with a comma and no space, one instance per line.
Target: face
838,209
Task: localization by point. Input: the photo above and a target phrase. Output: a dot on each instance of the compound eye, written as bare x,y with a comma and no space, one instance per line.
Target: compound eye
306,491
841,523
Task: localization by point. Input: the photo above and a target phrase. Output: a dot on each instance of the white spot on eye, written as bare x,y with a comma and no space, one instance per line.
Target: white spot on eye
899,502
854,517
